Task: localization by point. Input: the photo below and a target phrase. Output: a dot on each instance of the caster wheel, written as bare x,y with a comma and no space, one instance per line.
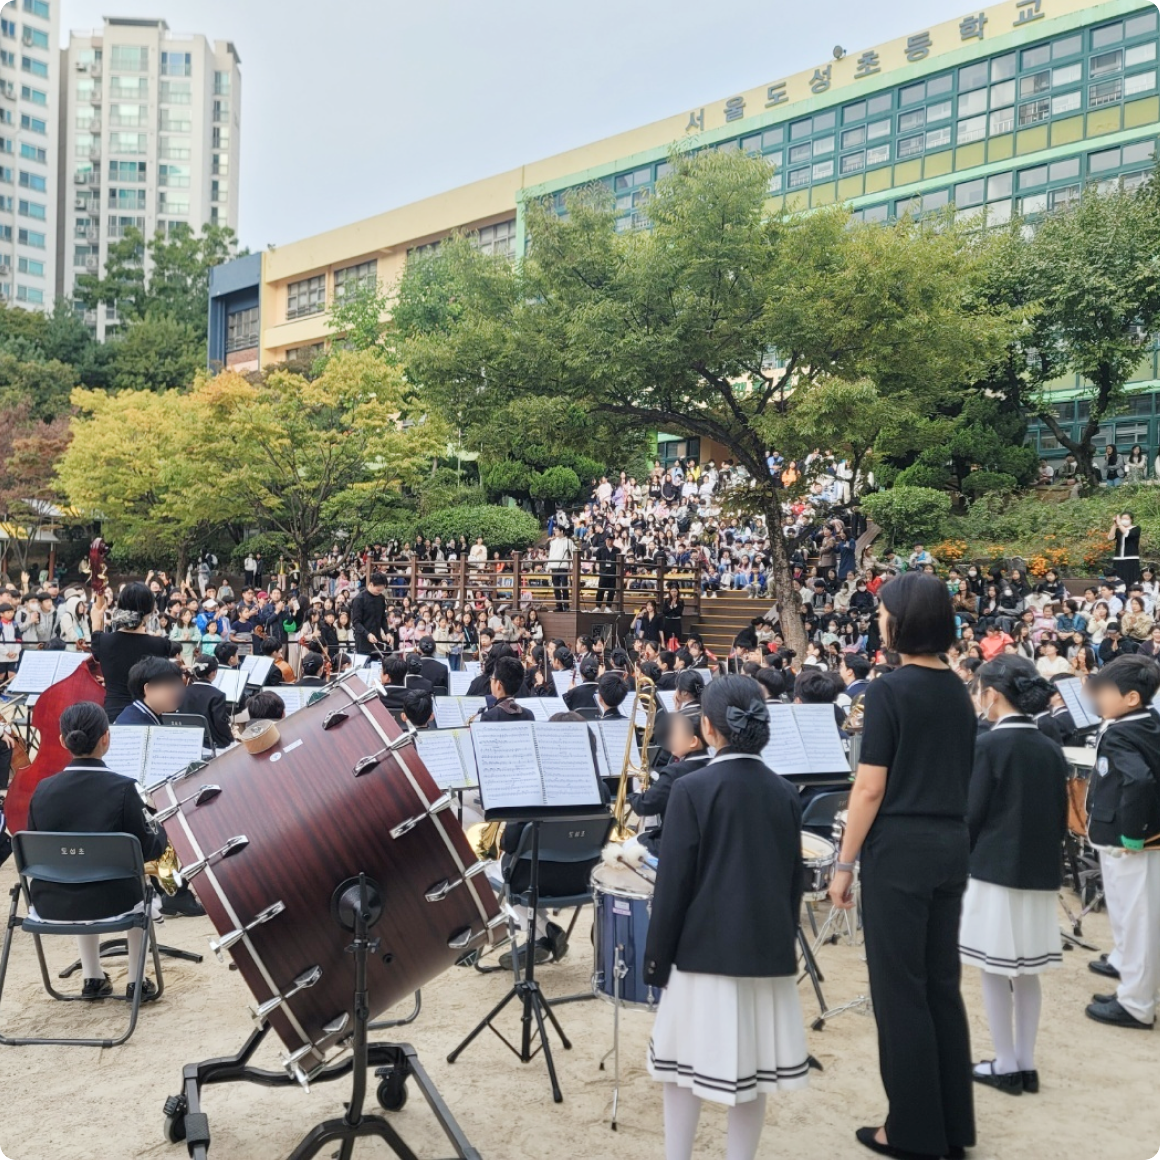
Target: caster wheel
174,1129
392,1095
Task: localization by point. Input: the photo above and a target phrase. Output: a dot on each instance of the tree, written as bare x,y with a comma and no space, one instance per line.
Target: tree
297,452
156,353
44,386
1085,283
715,323
914,514
357,322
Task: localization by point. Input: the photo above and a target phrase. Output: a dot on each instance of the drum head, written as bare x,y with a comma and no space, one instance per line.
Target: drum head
815,849
621,881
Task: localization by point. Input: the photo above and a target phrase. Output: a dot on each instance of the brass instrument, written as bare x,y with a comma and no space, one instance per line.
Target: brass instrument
165,869
854,715
485,839
645,698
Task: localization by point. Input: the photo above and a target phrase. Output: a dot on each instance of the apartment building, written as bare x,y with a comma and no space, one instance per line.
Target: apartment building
29,111
149,139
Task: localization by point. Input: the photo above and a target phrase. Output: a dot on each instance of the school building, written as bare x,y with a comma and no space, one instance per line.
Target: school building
1012,108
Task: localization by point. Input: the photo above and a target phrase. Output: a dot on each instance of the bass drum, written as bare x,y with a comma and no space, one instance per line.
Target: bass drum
329,799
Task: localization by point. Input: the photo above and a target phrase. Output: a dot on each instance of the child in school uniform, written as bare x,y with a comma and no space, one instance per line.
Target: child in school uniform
1124,825
1017,817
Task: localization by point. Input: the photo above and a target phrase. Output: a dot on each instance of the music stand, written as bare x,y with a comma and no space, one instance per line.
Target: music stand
527,989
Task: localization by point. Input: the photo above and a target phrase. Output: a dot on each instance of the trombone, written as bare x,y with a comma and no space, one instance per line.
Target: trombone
644,698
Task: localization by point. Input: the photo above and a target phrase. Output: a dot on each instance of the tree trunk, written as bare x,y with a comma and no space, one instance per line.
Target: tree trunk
790,622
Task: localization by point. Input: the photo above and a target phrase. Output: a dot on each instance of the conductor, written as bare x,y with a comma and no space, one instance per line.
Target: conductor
368,616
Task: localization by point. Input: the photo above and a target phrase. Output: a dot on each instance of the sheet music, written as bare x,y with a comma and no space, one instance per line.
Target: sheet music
542,708
360,661
449,756
508,764
39,670
806,742
455,712
232,683
128,747
373,673
170,750
668,698
562,681
611,737
707,672
472,668
257,669
1078,704
292,696
565,755
459,683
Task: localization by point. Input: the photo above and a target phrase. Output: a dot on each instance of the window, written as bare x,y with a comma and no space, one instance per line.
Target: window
34,38
126,199
1062,170
1106,62
973,129
875,213
173,176
936,86
221,84
7,59
1003,67
38,68
127,171
800,129
1034,57
912,94
1068,46
854,137
29,294
1107,34
800,153
1105,93
33,181
632,180
853,162
855,112
308,353
173,150
37,8
134,88
174,122
1139,151
499,240
1066,103
8,28
908,122
935,200
176,64
129,58
1038,82
877,154
769,139
176,93
221,111
306,297
938,112
1143,82
972,103
127,143
5,175
31,266
127,116
1002,121
427,250
969,193
906,205
1033,112
33,124
172,203
1139,25
242,329
999,185
823,145
1140,54
356,280
30,238
119,226
33,209
1068,74
82,254
798,178
1029,178
33,96
938,138
910,146
973,76
823,170
882,103
1103,161
877,129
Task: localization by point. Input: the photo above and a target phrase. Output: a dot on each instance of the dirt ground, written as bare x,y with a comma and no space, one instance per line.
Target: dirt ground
1099,1092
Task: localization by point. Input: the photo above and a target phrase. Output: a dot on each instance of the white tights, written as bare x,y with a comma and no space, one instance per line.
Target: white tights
683,1109
90,948
1013,1007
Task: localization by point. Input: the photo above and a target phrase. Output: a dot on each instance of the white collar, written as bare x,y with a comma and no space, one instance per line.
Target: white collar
732,757
1140,715
1014,721
145,709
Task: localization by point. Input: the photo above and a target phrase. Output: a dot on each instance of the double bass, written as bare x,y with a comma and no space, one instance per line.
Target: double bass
51,756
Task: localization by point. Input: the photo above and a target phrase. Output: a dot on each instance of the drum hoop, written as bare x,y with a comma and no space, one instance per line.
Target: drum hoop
819,857
238,924
599,887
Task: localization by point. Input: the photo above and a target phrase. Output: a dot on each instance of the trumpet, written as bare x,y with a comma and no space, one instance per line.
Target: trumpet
645,698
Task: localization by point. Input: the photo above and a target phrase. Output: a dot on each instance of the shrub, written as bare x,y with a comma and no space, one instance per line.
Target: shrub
989,483
504,529
556,485
909,514
507,477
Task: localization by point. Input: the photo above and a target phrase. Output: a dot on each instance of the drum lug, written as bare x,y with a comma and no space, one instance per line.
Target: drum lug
366,764
304,982
235,936
437,806
462,939
205,793
336,1026
440,890
192,768
338,716
233,846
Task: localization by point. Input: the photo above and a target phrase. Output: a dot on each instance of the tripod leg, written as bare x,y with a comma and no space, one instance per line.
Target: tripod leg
812,969
557,1095
555,1022
483,1023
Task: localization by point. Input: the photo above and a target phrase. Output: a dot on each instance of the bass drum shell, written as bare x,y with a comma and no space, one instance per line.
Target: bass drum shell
311,824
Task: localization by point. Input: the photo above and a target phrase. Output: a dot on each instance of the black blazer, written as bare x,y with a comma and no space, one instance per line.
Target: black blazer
581,696
1017,807
653,801
87,797
729,886
1124,797
211,704
133,714
507,710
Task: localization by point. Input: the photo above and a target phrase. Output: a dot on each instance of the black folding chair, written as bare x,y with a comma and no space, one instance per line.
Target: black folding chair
588,712
192,721
77,860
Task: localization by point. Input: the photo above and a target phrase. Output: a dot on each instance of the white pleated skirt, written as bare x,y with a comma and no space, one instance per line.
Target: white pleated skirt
1009,932
729,1040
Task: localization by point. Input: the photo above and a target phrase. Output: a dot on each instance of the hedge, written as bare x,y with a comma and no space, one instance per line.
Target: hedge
504,529
909,515
556,485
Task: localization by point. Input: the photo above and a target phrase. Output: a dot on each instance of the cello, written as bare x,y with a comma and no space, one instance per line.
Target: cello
51,756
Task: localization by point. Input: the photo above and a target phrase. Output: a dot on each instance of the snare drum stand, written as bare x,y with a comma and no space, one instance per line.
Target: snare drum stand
619,972
357,905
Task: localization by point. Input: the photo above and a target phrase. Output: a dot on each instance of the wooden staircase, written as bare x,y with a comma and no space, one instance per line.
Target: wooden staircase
724,616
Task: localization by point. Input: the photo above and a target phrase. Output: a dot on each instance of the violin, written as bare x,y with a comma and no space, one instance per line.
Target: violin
51,756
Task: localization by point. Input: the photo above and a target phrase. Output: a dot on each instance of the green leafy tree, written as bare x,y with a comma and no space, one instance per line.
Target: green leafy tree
909,514
44,386
715,323
156,353
556,485
504,529
359,322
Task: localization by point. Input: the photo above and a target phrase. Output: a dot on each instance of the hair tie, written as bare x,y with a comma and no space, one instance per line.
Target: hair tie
122,618
740,719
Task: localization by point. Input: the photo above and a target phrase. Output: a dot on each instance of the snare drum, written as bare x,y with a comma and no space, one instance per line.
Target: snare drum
818,858
623,903
841,821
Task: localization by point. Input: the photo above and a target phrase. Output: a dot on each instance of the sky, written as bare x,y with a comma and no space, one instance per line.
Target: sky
352,108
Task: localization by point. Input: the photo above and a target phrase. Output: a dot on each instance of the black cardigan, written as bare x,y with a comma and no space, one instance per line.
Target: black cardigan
1124,797
1017,811
729,885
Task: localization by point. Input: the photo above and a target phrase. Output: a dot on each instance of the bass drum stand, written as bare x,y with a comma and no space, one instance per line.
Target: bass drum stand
357,904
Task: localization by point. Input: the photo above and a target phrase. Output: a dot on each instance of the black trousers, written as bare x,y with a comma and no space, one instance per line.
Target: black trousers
914,873
561,584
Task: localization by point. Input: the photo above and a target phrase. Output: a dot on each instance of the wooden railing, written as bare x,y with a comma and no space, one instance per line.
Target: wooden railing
586,586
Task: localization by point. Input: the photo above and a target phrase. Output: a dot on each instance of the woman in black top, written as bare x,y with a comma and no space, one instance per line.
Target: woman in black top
205,699
673,613
907,819
118,650
721,939
1017,820
649,623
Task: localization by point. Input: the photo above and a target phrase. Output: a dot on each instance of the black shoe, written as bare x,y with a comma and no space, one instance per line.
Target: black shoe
182,905
865,1137
1009,1083
148,991
1030,1082
556,940
543,954
1115,1015
100,988
1101,966
954,1152
1104,998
